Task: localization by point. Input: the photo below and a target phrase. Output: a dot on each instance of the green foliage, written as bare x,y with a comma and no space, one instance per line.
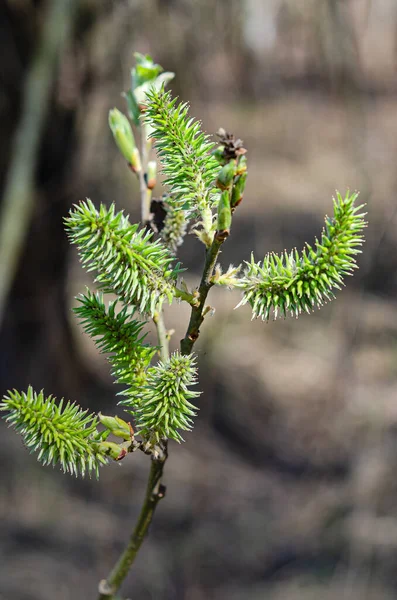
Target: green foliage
144,75
162,405
120,336
292,283
128,263
184,151
60,433
145,70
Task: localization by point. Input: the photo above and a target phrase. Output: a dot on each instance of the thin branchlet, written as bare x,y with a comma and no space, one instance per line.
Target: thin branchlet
291,283
141,272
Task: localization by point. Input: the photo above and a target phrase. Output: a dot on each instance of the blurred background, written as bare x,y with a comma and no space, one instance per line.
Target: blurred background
286,489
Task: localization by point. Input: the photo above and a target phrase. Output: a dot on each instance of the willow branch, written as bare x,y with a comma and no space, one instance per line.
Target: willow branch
144,191
18,201
198,312
155,491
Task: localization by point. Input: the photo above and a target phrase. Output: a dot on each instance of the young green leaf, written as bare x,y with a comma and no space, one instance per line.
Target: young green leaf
124,138
145,69
144,75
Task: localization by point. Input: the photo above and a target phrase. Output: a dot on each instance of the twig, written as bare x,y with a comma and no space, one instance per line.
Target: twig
162,335
198,312
18,201
155,491
145,198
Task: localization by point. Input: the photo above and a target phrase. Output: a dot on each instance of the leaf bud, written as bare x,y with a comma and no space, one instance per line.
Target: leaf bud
226,175
122,133
116,426
135,162
219,155
115,451
151,174
238,190
241,165
224,213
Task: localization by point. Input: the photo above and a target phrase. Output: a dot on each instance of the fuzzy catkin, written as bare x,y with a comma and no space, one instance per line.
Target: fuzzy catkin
291,283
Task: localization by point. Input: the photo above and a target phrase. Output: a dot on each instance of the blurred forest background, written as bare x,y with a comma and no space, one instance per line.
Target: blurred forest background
286,489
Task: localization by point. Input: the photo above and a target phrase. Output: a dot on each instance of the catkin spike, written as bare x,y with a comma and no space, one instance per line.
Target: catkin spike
162,405
292,283
60,433
127,262
184,150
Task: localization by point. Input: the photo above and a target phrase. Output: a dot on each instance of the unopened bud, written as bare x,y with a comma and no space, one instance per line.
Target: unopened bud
226,175
224,213
135,162
219,155
151,174
241,165
116,426
238,190
113,450
122,133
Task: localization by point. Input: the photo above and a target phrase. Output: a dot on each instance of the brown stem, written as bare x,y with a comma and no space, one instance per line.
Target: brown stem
155,491
197,314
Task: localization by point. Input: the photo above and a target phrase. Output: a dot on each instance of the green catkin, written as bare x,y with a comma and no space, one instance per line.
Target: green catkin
127,262
175,227
164,402
119,336
184,150
291,283
61,433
